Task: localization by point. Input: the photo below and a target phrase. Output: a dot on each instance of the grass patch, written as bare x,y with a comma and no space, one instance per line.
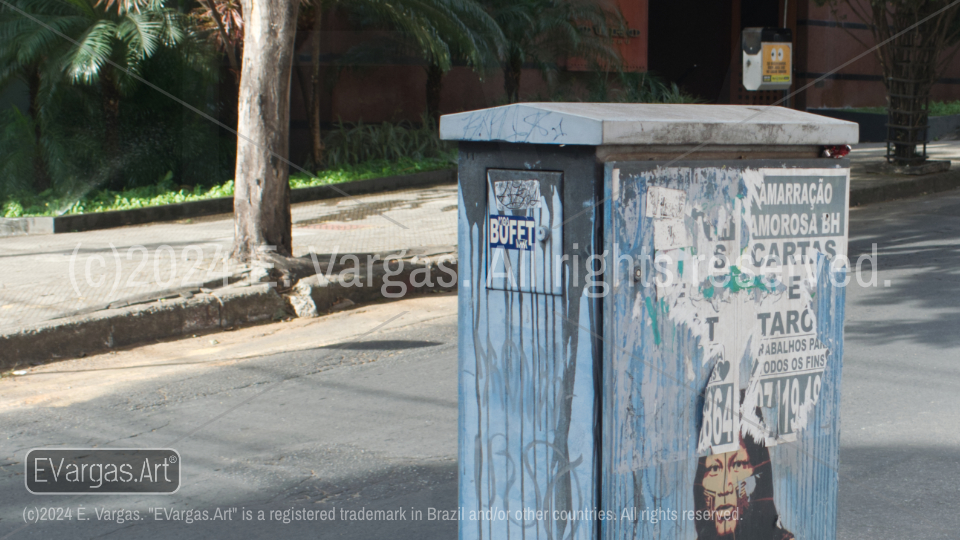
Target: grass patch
50,204
937,108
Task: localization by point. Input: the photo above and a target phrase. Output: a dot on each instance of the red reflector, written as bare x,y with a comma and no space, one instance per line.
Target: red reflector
837,151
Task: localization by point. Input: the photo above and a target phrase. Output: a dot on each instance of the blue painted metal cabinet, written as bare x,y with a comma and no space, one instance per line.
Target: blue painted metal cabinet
529,343
650,347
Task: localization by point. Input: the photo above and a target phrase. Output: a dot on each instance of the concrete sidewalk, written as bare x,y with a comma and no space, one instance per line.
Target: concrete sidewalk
45,278
868,187
868,153
50,276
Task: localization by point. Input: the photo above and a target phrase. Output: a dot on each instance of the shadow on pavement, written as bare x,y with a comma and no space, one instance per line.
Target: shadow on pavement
382,345
918,246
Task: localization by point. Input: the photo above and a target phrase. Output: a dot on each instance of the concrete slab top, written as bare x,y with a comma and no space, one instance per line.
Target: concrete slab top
596,124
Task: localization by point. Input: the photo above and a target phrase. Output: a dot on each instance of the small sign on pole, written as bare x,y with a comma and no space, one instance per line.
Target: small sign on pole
767,58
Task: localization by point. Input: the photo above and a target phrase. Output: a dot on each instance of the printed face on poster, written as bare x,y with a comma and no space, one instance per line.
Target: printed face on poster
777,59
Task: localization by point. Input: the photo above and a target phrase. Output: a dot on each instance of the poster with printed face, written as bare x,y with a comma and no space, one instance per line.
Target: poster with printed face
777,59
734,301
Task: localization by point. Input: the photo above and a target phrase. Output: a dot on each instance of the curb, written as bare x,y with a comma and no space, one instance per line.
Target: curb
172,212
230,307
913,187
243,304
82,335
223,205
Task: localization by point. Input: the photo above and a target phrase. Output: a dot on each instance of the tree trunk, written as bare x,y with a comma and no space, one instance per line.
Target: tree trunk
912,58
110,103
310,84
316,137
262,189
224,37
511,78
911,74
229,89
434,89
41,177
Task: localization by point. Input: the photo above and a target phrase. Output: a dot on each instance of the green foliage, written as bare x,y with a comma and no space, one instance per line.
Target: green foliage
166,192
99,36
650,88
437,30
373,169
68,128
155,134
361,143
937,108
647,87
17,151
455,30
158,134
543,32
69,145
24,44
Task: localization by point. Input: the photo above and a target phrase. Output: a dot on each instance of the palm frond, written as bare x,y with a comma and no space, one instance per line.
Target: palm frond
140,34
439,30
130,6
412,18
173,27
230,15
92,52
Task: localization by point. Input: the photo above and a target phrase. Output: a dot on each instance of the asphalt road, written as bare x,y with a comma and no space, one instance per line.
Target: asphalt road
368,421
900,442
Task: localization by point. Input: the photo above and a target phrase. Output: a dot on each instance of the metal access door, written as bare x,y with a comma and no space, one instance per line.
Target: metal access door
524,230
528,344
721,375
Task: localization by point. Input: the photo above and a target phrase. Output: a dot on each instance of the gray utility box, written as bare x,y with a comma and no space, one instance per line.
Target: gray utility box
650,318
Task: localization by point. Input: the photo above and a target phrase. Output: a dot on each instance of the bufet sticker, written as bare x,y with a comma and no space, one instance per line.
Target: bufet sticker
513,232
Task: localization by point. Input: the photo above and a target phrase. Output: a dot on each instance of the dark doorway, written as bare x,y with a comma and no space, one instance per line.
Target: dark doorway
689,43
764,13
